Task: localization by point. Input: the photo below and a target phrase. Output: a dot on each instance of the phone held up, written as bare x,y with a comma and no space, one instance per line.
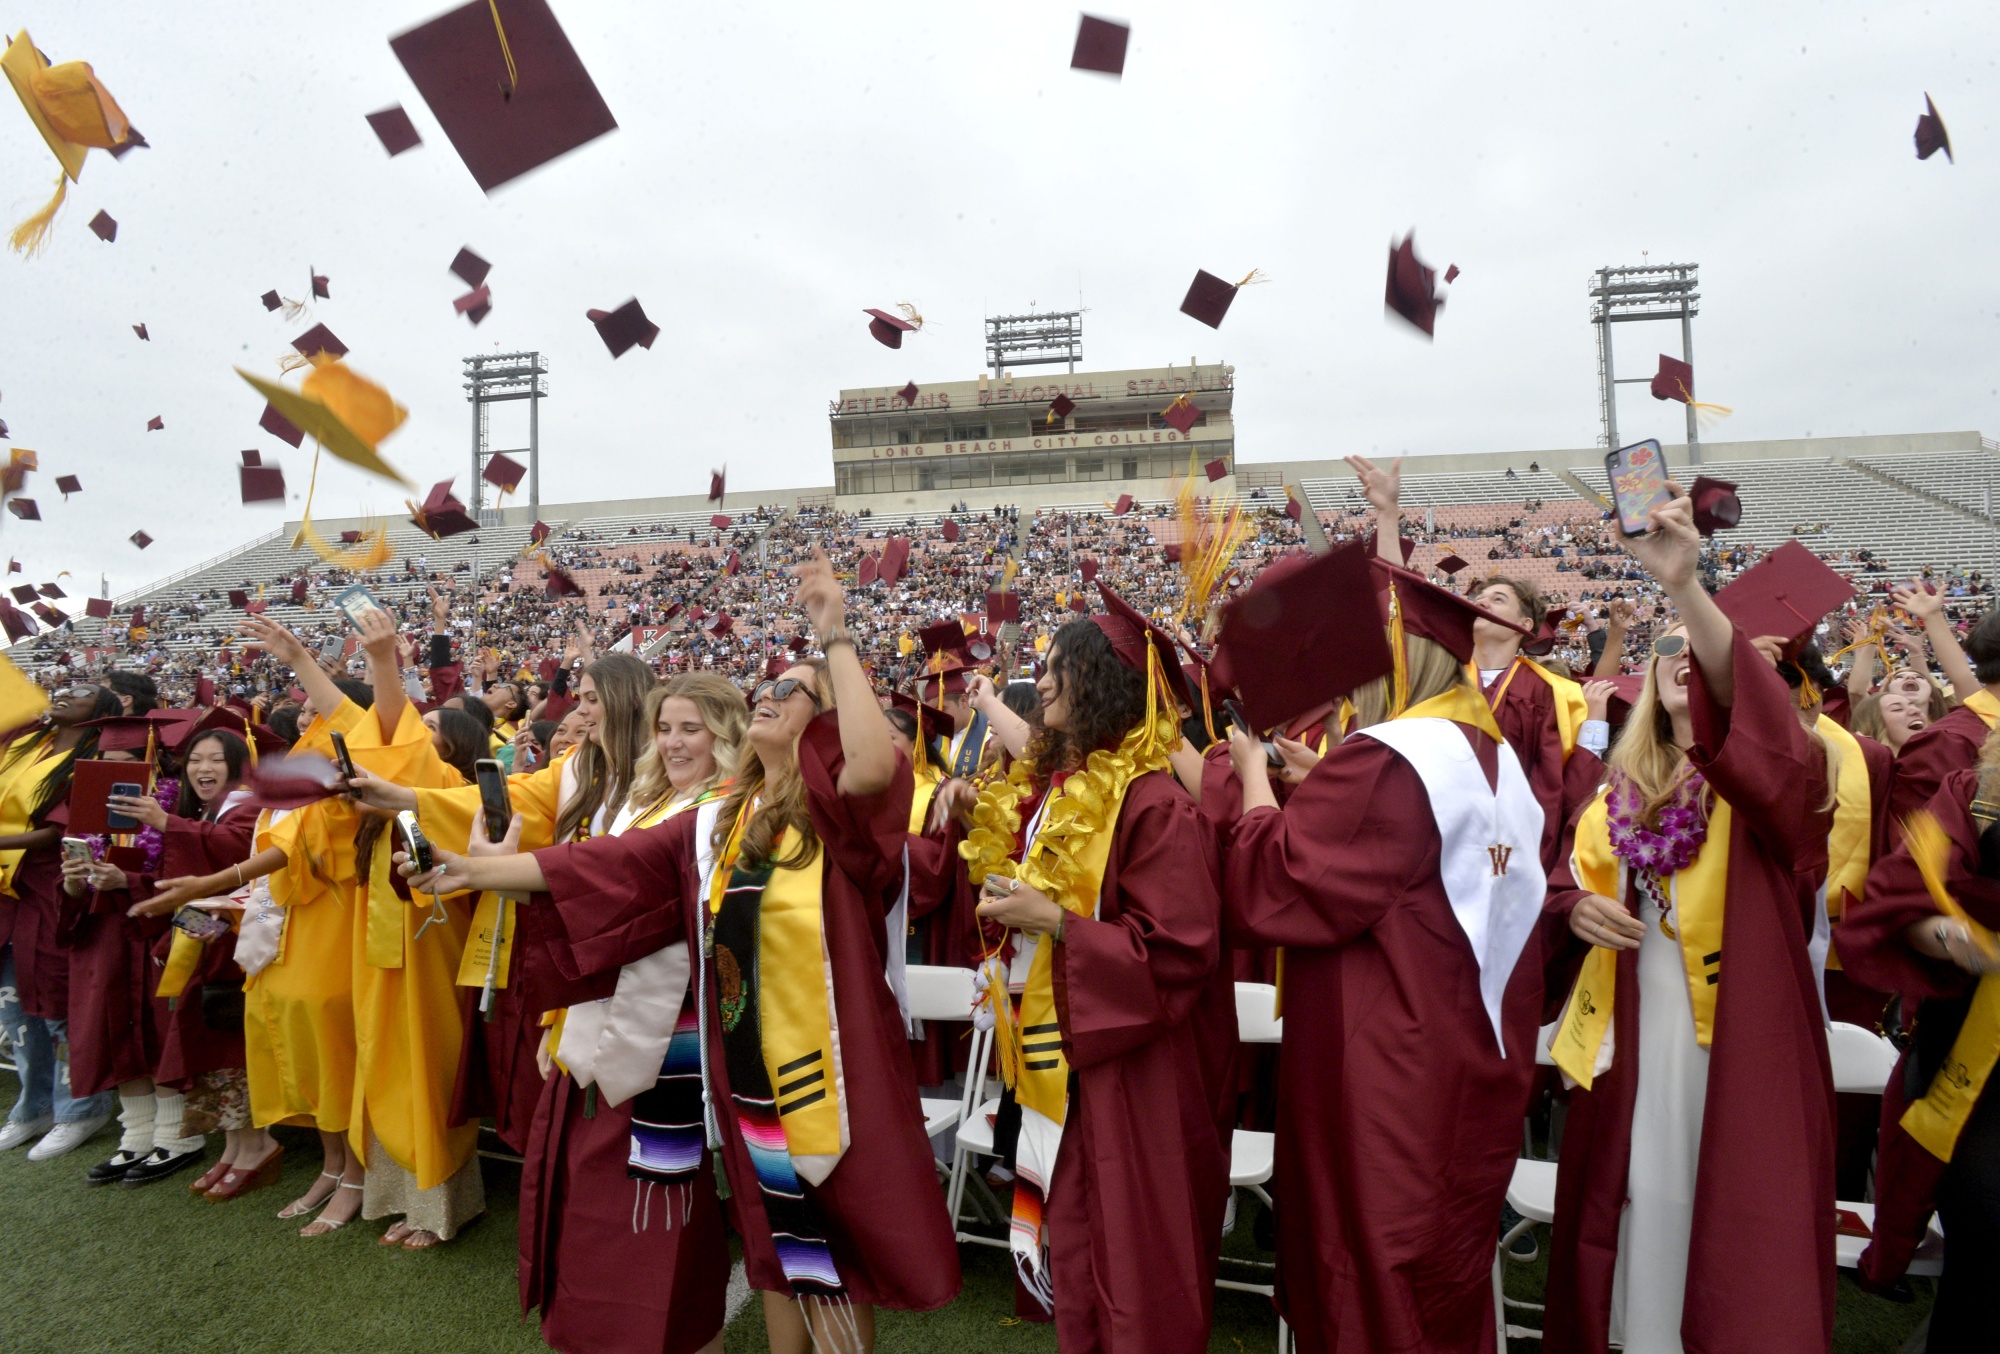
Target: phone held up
1242,721
76,849
123,822
1638,484
346,762
493,797
414,841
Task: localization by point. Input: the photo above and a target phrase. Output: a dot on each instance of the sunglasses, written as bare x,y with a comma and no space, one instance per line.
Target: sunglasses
1668,646
79,693
784,690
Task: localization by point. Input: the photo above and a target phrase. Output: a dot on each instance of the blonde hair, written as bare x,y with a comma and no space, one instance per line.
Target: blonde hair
781,803
1433,671
1866,718
720,705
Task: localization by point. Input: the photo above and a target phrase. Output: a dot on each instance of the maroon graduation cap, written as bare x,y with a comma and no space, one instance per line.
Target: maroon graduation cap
470,268
24,594
349,537
51,591
720,521
103,227
945,637
504,473
99,607
251,456
1002,607
271,299
1305,634
624,327
141,539
1451,273
320,285
298,590
140,330
1931,135
948,529
1182,414
16,622
319,339
1208,298
1100,46
1123,506
909,393
1215,469
1450,564
715,486
238,598
25,509
1412,287
49,615
69,484
1088,569
261,483
1293,508
442,514
888,329
724,623
560,584
156,424
1674,380
1784,594
1062,406
895,558
864,574
393,128
476,304
538,533
507,103
279,426
1716,505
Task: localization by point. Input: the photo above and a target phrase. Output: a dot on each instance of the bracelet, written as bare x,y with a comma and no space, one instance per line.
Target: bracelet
837,635
239,875
1060,923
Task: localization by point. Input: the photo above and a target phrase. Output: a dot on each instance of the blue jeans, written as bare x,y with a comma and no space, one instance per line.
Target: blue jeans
44,1076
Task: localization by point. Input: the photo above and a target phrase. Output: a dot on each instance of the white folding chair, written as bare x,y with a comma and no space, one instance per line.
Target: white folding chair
973,1112
1863,1061
1251,1154
945,994
1532,1194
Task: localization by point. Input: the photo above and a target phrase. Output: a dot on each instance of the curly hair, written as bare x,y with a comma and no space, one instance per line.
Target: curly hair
1106,699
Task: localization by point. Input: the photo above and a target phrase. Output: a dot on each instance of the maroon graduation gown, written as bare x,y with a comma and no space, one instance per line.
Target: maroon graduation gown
41,961
586,1226
1148,1016
1951,744
882,1208
941,897
1399,1119
1872,947
115,1031
1760,1264
189,1046
1526,714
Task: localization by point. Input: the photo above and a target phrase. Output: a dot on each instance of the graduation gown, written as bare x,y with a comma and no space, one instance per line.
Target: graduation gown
945,928
1563,782
1148,1016
585,1223
1399,1120
1951,744
189,1044
881,1206
1760,1272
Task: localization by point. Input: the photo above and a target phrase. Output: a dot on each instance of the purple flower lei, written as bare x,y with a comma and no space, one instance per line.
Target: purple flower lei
1673,842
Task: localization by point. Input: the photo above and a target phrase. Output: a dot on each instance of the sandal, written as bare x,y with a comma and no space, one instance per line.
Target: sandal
209,1178
305,1203
323,1225
410,1242
397,1231
244,1180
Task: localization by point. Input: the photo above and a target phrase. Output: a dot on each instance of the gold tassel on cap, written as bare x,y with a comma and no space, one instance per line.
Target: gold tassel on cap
32,234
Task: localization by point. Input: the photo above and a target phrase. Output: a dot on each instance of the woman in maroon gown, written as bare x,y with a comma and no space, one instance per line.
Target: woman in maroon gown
1412,986
842,1212
1095,862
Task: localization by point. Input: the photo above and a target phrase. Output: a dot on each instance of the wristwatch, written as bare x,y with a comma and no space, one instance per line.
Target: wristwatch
837,635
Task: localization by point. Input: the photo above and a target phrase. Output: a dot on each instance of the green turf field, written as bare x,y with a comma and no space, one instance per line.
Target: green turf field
153,1271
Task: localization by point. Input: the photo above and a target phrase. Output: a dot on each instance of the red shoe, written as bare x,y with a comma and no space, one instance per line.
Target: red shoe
236,1182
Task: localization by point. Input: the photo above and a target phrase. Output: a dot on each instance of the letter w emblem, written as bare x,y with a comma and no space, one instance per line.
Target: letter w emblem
1500,855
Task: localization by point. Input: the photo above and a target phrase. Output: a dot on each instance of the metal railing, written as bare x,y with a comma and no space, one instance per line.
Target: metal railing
123,598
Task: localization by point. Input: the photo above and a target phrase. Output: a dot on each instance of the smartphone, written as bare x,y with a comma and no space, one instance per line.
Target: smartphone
123,822
1638,484
493,797
414,840
341,756
201,925
330,648
356,601
76,849
1242,721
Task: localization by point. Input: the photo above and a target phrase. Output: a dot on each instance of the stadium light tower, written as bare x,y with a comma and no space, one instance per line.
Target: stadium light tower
495,378
1661,292
1039,340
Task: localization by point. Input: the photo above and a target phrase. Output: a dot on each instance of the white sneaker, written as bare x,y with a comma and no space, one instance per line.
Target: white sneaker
67,1138
13,1135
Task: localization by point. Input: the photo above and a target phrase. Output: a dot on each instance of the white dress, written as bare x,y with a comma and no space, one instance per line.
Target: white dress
1650,1281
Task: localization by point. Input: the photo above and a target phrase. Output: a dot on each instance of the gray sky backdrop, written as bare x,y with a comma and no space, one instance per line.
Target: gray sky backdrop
780,166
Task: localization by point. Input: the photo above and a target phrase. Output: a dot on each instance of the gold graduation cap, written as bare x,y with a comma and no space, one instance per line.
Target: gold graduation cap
73,112
345,411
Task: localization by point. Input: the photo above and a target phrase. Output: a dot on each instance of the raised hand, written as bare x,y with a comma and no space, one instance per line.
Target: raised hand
277,641
820,597
1671,550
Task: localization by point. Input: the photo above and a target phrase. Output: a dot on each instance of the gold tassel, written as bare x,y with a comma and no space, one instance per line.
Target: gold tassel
32,234
1399,692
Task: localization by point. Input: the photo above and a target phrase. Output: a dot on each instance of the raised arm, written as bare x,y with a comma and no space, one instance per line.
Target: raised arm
284,646
1928,608
1861,673
1671,552
378,641
869,755
1617,621
1384,490
1012,730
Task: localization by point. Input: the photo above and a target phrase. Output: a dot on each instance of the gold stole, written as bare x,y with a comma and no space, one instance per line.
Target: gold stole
1984,704
1571,710
26,774
794,993
1848,845
383,911
1936,1120
920,802
1698,893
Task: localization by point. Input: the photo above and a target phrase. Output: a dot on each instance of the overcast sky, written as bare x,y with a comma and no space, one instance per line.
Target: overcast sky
780,166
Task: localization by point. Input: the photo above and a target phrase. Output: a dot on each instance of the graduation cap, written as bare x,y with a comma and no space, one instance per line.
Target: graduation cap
320,285
345,411
1674,380
946,675
121,733
392,126
1412,289
1002,607
560,584
1784,594
864,574
51,591
1302,634
475,305
24,594
933,722
1088,568
1931,136
298,590
103,227
1716,505
1208,297
909,393
1543,641
69,484
49,615
1293,508
140,539
538,533
732,564
1173,552
251,456
99,607
349,537
319,339
257,607
261,483
279,426
797,644
1062,406
271,299
1100,46
140,330
715,483
1123,506
292,782
1130,633
895,558
1451,273
1215,469
156,424
15,621
888,329
948,529
942,638
25,509
3,427
623,327
720,521
724,623
470,268
1182,414
504,473
1450,564
73,112
238,598
441,514
504,83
